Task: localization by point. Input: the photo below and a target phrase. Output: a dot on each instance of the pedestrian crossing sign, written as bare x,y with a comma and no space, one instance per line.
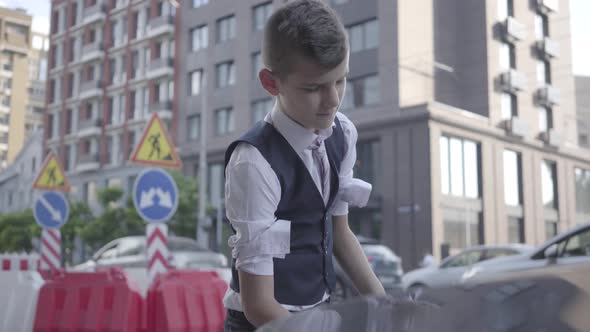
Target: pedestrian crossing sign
52,176
156,147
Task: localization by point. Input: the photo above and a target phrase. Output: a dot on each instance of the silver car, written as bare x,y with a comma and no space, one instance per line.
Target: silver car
130,252
451,270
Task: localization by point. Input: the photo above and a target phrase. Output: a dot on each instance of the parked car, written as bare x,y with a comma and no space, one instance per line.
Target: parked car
569,248
384,262
451,269
130,252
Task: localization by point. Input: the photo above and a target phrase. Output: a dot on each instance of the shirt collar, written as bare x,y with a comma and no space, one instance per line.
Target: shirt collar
299,137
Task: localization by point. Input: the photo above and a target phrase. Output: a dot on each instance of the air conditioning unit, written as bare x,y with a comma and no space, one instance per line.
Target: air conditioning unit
514,30
547,96
551,137
548,6
548,48
512,81
517,126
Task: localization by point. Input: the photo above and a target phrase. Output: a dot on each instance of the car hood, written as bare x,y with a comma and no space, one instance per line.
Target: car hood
418,275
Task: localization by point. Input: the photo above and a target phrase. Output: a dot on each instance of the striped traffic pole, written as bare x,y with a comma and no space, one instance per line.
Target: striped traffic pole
157,250
50,249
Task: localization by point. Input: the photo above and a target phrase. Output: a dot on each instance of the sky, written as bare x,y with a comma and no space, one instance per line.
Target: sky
579,9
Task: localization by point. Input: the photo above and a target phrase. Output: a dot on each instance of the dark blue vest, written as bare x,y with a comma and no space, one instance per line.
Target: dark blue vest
307,272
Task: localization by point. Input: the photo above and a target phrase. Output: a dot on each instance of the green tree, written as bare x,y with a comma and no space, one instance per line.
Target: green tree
17,231
184,221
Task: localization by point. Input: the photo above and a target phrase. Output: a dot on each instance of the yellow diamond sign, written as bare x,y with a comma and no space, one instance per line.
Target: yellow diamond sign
52,176
156,147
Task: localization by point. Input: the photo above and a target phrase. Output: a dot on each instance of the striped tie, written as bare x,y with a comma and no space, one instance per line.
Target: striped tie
318,151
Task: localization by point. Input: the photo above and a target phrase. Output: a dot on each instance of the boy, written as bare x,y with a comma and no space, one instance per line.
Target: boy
289,178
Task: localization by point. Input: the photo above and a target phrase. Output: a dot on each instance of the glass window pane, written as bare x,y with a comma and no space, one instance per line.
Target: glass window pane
371,90
541,73
456,157
548,183
502,9
356,38
471,166
504,55
347,102
444,165
372,34
506,106
511,178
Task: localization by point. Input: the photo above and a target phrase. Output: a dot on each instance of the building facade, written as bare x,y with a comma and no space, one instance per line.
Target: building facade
466,117
583,110
111,65
16,180
22,54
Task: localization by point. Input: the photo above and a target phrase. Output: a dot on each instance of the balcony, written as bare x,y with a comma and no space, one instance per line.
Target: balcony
95,13
517,127
16,42
548,6
160,67
94,51
160,25
88,162
512,81
91,89
548,96
514,30
164,109
551,137
89,127
548,48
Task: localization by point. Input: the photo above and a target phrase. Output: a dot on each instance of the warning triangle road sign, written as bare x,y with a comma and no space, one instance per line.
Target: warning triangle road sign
52,176
156,147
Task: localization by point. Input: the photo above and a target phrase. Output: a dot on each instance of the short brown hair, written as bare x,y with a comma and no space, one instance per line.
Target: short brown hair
308,28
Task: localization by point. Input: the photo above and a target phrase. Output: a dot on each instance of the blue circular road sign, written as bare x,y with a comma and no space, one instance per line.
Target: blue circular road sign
51,210
155,195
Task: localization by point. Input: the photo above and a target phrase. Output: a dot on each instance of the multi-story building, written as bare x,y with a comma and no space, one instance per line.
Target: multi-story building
19,60
583,110
37,80
465,114
110,67
16,180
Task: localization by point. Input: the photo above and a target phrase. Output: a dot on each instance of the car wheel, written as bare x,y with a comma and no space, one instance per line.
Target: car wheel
339,293
416,290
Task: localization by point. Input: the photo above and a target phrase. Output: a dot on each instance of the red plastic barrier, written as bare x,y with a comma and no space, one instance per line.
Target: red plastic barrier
183,301
98,301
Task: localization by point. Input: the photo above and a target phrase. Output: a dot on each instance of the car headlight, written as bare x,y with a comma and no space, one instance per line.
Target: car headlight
471,273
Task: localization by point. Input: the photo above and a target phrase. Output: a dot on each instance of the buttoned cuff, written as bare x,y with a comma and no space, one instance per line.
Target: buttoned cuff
355,192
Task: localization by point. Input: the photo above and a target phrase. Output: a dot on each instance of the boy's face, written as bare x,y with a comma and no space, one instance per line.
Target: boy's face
311,95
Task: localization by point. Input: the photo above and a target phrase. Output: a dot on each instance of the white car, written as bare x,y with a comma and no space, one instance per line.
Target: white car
451,269
572,247
130,253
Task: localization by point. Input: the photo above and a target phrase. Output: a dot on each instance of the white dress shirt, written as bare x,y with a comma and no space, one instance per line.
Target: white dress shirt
253,192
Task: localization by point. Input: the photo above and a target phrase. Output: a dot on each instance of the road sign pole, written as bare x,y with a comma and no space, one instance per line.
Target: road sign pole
157,250
50,249
203,222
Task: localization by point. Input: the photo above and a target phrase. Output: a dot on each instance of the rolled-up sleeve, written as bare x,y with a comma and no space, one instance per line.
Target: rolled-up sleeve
352,191
252,194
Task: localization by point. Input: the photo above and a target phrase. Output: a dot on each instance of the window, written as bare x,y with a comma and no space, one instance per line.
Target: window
225,74
512,178
199,3
505,9
551,229
361,92
508,105
507,57
460,171
541,26
463,259
368,163
257,64
260,108
543,73
549,184
363,36
194,127
260,15
462,228
226,28
582,179
545,119
199,38
195,82
515,230
215,186
224,121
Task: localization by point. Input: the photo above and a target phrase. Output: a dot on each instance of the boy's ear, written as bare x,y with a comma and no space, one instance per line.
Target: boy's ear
269,82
